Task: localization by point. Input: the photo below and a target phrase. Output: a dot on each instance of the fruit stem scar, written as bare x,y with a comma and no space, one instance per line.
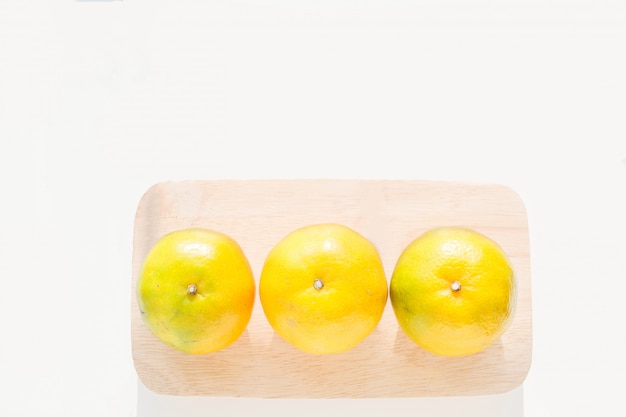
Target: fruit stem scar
455,286
192,289
318,284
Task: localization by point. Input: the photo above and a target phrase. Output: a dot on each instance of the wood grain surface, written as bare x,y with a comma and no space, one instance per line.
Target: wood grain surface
390,213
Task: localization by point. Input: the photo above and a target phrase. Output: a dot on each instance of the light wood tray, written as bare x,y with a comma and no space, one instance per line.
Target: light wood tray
259,213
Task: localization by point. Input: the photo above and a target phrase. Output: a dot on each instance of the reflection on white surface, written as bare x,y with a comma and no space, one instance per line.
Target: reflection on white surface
150,404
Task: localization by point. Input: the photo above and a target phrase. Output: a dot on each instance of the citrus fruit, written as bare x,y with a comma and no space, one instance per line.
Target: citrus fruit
196,290
453,291
323,288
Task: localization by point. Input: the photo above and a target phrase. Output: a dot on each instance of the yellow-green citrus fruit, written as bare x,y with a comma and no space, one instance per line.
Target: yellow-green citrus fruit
453,291
196,290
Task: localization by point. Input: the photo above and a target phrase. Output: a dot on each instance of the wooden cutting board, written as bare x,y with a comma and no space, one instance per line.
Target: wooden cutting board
259,213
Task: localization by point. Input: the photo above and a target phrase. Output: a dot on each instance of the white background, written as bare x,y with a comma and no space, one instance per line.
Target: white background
100,100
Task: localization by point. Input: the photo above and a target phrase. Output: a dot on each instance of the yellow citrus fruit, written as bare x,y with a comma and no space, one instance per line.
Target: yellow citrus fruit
453,291
323,288
196,290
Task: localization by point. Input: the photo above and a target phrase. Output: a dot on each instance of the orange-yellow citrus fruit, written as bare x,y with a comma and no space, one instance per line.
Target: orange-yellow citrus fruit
196,290
453,291
323,288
